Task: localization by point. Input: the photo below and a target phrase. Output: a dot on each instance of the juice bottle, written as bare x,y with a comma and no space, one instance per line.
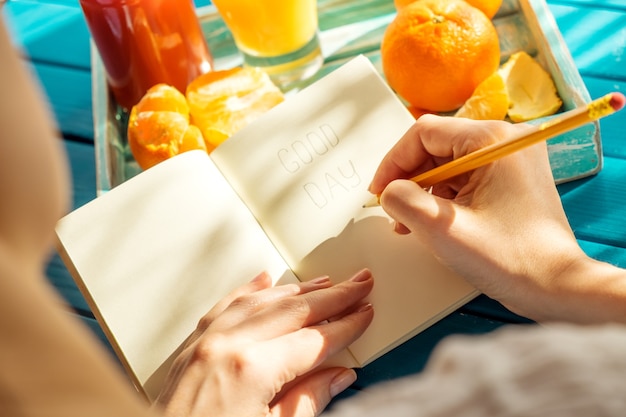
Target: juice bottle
146,42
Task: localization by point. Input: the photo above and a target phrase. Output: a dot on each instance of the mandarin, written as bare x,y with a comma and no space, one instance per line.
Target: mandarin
417,113
223,102
159,128
488,7
490,100
436,52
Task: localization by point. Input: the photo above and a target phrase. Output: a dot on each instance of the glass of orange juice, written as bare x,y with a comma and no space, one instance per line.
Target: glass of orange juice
279,36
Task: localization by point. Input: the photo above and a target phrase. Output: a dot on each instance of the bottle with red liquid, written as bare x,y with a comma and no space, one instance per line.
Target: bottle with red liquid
146,42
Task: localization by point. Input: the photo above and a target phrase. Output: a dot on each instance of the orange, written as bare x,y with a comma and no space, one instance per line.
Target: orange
436,52
401,3
489,101
417,113
159,128
488,7
223,102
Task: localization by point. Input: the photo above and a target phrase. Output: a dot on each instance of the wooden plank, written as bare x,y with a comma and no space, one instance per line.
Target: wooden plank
606,253
59,277
410,357
612,127
83,171
599,4
68,91
595,38
55,43
82,164
595,206
49,33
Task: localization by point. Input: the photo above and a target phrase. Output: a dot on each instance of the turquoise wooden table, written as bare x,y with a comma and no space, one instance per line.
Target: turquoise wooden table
55,45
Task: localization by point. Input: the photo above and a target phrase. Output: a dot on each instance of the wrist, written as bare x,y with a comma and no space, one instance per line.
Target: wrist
586,291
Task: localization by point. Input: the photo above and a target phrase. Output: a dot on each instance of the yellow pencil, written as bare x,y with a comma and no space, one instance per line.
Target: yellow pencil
569,120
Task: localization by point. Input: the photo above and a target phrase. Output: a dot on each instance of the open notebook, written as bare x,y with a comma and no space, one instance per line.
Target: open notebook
284,195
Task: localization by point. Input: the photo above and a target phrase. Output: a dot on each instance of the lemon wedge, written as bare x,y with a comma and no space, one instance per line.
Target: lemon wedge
530,88
489,101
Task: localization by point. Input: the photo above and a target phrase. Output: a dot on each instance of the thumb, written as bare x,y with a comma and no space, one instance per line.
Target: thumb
421,212
309,397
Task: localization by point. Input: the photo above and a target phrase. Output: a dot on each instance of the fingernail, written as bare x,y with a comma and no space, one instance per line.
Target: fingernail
400,229
342,381
364,308
361,276
262,276
320,280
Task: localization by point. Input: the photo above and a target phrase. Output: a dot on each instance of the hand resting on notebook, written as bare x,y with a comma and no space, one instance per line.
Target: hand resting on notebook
258,351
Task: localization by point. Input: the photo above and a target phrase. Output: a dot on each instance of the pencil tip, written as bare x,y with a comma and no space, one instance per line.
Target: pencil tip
372,203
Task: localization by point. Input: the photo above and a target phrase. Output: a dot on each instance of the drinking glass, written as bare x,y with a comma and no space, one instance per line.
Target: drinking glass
279,36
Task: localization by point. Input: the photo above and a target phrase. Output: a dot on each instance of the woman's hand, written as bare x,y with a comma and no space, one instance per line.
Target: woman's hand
501,226
257,353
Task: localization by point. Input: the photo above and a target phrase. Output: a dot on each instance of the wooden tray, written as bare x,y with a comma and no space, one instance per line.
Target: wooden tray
352,27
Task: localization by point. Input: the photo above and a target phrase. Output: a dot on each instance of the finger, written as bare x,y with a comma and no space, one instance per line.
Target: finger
400,229
310,396
260,282
247,305
432,141
421,212
297,353
428,143
292,313
450,139
402,160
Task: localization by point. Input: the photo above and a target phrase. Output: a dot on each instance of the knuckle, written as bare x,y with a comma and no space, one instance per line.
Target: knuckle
218,349
294,306
241,362
206,349
246,302
204,322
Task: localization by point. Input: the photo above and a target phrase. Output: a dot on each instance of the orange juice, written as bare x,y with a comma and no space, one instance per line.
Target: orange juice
278,35
269,27
147,42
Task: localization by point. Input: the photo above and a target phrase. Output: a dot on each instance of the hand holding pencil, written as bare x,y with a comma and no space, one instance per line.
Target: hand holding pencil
502,227
570,120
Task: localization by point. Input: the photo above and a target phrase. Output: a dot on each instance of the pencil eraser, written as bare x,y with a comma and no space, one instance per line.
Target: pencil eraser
617,101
